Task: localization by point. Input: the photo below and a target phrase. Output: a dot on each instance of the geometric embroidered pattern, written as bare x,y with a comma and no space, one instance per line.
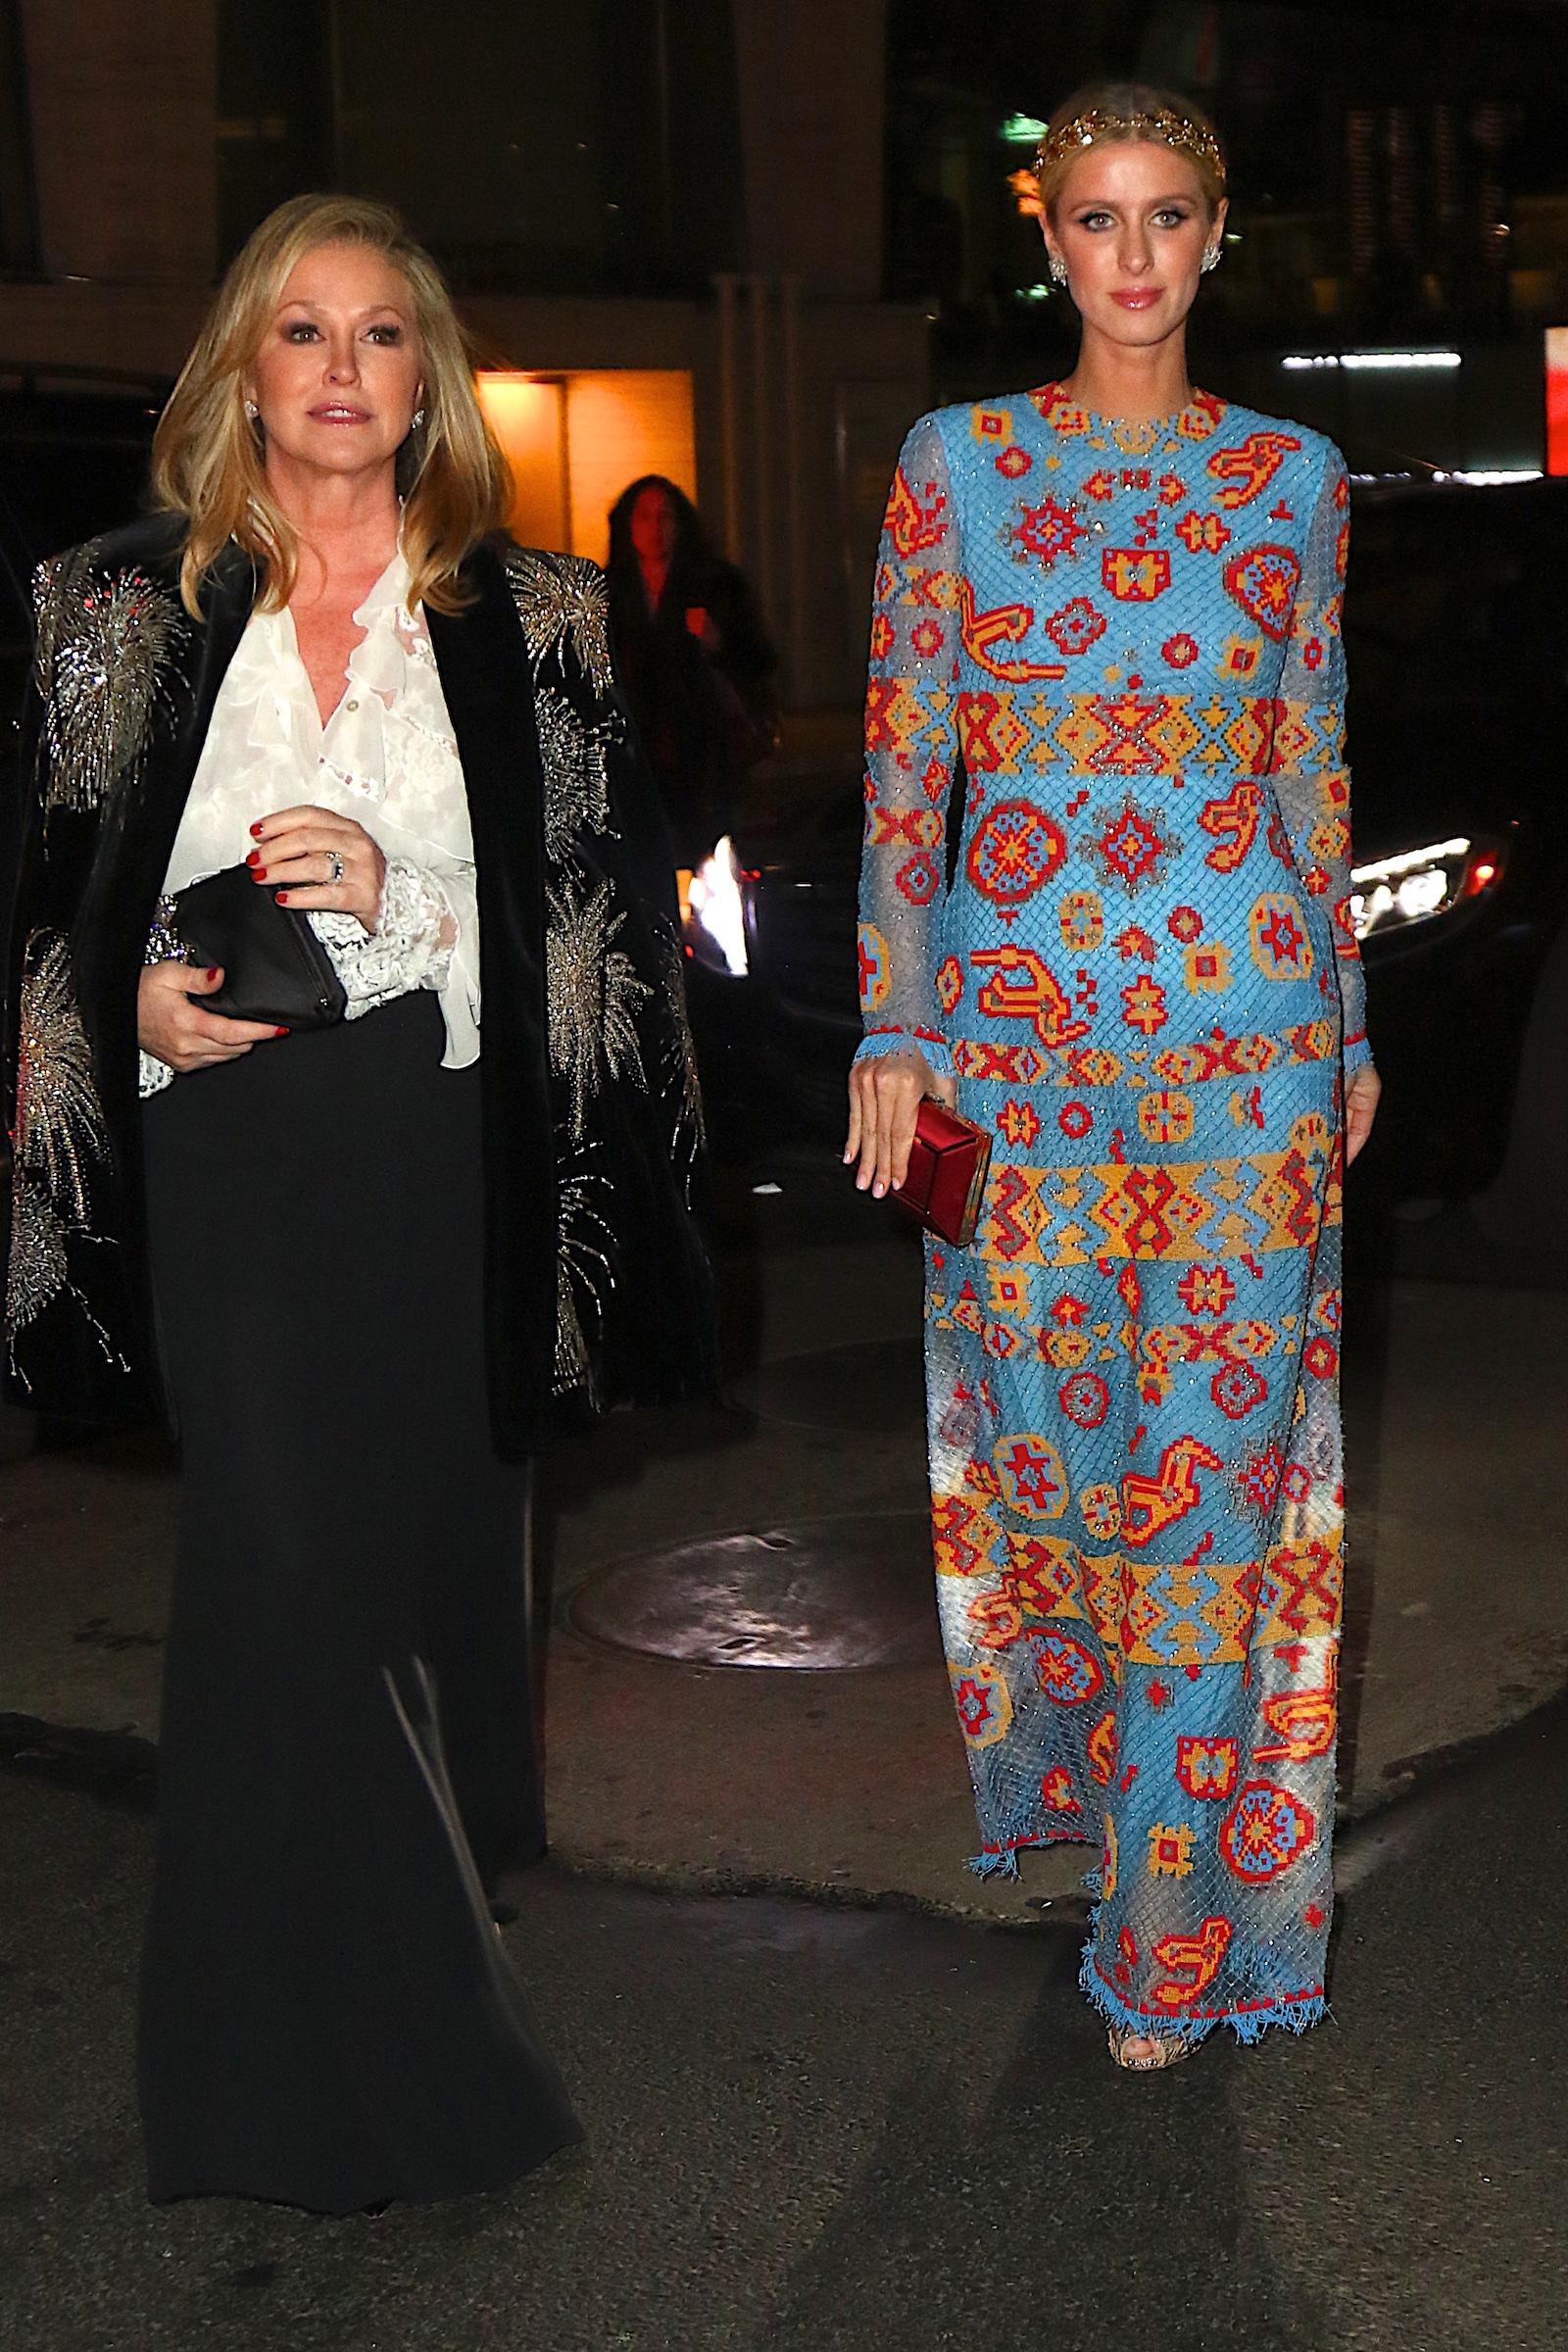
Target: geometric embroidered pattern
1201,1614
1123,643
1007,733
1184,1209
1206,1059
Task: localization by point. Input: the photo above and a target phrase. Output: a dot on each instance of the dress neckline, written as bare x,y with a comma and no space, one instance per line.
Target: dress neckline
1195,423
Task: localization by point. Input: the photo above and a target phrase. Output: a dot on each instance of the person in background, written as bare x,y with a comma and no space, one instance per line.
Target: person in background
367,1268
696,660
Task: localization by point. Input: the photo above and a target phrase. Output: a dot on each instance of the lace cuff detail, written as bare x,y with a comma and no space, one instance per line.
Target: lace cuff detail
938,1053
404,952
155,1074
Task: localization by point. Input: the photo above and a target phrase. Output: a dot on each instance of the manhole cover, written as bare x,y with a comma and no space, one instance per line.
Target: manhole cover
820,1594
877,1384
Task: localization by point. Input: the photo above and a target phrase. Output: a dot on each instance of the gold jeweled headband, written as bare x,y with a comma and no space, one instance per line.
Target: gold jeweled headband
1163,124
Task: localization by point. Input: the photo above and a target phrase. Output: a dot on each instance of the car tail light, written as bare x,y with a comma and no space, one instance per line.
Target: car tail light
1390,894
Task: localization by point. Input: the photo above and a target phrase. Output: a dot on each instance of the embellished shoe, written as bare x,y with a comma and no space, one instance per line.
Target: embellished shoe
1164,2050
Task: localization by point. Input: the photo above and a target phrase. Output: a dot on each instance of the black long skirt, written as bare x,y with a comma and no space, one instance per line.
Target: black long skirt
327,2016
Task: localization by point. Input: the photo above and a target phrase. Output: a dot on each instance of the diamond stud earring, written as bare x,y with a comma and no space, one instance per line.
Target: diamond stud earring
417,420
1058,271
251,410
1211,259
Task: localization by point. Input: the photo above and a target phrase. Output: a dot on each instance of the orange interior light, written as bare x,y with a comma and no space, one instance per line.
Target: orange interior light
573,440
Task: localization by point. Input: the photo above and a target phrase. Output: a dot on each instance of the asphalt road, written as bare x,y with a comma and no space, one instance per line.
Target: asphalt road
836,2130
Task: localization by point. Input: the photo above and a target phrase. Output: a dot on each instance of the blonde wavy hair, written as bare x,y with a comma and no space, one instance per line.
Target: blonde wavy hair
207,456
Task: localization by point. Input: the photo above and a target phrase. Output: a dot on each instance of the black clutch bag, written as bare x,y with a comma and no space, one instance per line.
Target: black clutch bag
274,967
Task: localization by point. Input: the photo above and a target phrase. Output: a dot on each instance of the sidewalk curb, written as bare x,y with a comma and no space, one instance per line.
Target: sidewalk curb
122,1768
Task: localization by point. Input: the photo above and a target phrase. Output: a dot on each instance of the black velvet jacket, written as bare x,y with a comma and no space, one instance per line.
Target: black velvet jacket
599,1287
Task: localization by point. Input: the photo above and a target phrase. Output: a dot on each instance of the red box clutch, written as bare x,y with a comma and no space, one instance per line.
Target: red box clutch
947,1175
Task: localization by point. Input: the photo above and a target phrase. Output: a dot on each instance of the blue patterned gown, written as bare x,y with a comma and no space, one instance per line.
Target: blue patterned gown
1119,645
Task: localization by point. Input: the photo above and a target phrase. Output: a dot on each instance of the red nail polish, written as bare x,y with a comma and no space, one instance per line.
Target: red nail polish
261,873
280,1032
281,896
212,971
256,831
254,858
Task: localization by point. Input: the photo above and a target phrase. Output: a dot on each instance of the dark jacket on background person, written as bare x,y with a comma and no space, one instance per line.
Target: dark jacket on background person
702,716
599,1289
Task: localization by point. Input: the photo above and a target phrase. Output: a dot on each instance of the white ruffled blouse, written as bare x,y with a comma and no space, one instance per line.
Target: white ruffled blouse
388,758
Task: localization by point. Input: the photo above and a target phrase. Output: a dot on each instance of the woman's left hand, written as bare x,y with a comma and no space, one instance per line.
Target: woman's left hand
1360,1109
294,857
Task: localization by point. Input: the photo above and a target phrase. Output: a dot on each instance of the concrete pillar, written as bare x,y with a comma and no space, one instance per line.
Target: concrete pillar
813,77
123,107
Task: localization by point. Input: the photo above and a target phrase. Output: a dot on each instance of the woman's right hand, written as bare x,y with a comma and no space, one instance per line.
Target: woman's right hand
176,1031
886,1092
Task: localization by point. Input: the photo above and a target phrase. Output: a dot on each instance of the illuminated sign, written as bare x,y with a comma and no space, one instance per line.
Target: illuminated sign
1557,400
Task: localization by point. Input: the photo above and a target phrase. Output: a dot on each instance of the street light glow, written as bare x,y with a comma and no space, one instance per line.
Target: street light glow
1381,361
1489,478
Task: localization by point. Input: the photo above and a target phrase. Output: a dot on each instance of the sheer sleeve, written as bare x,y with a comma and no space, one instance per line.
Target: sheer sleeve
910,754
1309,774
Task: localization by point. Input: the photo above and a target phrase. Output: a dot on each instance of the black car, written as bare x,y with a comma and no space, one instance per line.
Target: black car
1457,637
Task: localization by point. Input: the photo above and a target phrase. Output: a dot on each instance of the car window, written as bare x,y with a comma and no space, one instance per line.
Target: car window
1442,603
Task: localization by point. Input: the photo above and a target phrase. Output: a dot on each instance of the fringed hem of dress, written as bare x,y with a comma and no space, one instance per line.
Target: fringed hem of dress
1295,2013
1002,1860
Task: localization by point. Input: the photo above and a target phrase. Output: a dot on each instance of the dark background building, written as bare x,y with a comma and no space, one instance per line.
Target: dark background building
746,243
1399,181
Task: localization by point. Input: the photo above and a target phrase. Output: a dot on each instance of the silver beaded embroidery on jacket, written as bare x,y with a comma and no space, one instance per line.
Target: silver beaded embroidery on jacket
60,1125
593,992
682,1084
574,757
562,596
60,1133
38,1271
583,1267
106,643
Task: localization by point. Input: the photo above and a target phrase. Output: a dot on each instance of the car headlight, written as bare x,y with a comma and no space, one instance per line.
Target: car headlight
1392,893
712,910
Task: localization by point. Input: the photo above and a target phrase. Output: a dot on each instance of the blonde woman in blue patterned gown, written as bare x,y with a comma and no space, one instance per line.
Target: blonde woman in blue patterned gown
1107,649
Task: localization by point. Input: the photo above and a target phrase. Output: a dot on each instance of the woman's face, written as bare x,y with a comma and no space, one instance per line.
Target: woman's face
338,376
653,526
1131,221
